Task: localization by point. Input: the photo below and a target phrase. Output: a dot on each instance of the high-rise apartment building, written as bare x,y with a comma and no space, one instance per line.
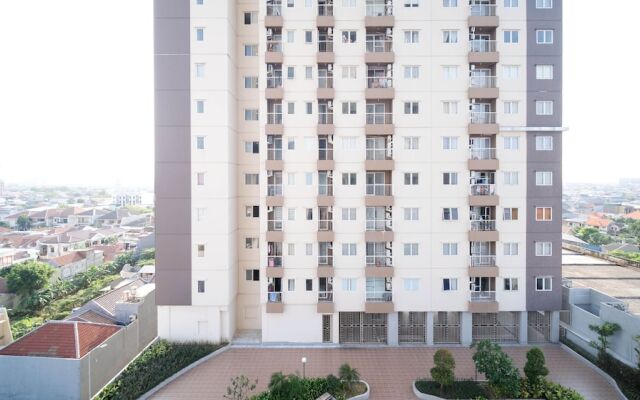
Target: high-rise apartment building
359,171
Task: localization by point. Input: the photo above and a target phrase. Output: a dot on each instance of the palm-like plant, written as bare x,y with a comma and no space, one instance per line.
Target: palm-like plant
348,375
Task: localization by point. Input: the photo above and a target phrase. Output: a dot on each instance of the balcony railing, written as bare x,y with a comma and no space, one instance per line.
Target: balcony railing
482,261
380,118
274,10
325,259
483,10
378,224
378,154
483,189
483,296
379,297
325,225
483,81
379,261
274,261
325,297
275,81
379,82
325,46
274,189
379,45
325,10
325,154
379,189
482,154
379,9
483,225
274,297
325,118
274,45
274,118
482,46
483,117
325,189
274,225
274,154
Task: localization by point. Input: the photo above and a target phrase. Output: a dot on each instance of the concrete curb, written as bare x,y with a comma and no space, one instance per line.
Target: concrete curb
183,371
420,395
588,363
363,396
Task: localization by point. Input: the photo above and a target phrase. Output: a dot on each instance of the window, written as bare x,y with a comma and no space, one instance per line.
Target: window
308,249
348,3
449,178
250,50
510,249
309,214
349,71
410,249
290,3
348,284
449,284
291,72
449,3
252,147
252,275
450,214
544,71
199,2
411,107
450,107
510,284
308,107
308,284
349,249
251,179
511,3
544,143
252,211
291,107
411,284
449,36
510,177
544,36
291,214
511,36
349,142
410,178
199,70
201,250
308,178
511,107
307,3
200,106
543,283
510,214
291,178
510,71
348,107
449,143
250,82
291,35
349,178
544,178
411,36
200,178
449,249
412,3
308,72
308,37
543,213
544,3
450,72
200,142
291,143
291,285
200,286
411,214
250,17
250,243
411,72
251,114
411,142
511,142
348,36
544,107
199,34
200,213
348,214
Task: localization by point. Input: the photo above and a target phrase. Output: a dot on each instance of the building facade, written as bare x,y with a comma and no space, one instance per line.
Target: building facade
359,171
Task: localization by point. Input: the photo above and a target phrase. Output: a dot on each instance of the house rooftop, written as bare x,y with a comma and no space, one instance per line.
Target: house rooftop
108,300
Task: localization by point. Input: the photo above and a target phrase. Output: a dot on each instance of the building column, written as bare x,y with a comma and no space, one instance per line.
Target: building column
392,329
429,327
335,328
524,327
555,327
466,328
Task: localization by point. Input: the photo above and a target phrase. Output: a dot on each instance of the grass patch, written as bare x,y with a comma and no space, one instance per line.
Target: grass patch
459,390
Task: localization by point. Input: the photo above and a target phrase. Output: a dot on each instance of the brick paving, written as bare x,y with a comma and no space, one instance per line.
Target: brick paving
388,370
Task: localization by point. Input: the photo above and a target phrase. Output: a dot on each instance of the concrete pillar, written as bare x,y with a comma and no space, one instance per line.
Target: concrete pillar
524,327
392,329
429,327
335,328
466,329
555,327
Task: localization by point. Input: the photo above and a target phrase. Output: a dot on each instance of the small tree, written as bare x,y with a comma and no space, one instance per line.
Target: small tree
604,331
28,277
349,376
503,377
442,372
240,388
534,369
23,223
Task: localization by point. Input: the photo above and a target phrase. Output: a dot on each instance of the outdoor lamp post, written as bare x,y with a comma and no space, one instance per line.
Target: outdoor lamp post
304,364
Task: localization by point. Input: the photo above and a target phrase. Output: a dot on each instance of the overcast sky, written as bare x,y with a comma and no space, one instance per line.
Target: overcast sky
76,92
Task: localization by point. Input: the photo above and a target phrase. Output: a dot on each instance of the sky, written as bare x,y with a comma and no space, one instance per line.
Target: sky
76,92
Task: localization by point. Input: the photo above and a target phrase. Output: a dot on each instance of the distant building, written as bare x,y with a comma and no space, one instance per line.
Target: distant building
127,199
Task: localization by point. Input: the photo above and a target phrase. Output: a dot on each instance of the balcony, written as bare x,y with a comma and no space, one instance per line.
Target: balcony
379,295
325,188
325,155
482,159
379,47
274,188
483,266
378,194
325,14
483,122
325,117
274,303
483,194
325,224
483,15
274,46
483,87
379,82
379,118
379,259
379,13
274,82
274,224
483,230
325,255
325,81
325,53
274,14
379,154
325,302
274,153
483,302
483,51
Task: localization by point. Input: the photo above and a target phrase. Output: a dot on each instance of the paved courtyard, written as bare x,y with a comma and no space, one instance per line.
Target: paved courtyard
388,370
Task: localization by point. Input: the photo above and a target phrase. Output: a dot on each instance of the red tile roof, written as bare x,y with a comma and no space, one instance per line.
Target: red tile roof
61,339
633,215
66,259
597,221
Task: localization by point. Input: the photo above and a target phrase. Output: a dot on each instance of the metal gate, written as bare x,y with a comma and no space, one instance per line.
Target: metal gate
539,326
502,327
411,327
326,329
357,327
446,327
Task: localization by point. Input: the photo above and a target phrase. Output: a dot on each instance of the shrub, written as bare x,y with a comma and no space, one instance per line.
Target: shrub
349,376
503,377
604,331
460,390
28,277
534,369
442,372
544,389
239,388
